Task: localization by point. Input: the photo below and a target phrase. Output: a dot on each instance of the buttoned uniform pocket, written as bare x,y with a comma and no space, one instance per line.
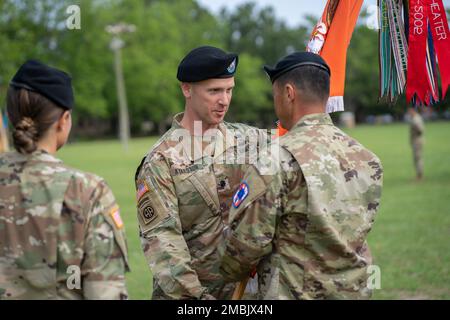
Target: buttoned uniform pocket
198,200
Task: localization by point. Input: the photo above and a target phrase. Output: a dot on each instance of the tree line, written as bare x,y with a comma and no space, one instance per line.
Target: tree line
165,32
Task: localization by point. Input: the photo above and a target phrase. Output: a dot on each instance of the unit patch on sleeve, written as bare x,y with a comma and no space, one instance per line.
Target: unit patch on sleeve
240,195
151,208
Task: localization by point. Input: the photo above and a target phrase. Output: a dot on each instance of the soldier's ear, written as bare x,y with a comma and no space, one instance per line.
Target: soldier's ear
186,88
290,92
63,127
64,123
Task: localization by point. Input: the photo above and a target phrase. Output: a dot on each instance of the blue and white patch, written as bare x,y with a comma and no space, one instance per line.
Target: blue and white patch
232,67
240,194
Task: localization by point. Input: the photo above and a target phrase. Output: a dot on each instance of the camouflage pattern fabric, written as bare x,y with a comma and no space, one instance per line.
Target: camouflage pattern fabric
305,227
52,219
417,141
184,195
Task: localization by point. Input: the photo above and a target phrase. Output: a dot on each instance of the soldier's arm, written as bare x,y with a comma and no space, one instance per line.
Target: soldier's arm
253,225
103,268
417,126
420,127
161,235
254,222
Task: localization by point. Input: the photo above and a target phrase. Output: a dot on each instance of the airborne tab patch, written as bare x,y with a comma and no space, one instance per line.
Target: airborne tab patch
152,210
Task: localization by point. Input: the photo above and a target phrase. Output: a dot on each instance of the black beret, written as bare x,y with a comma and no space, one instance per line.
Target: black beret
207,63
52,83
294,60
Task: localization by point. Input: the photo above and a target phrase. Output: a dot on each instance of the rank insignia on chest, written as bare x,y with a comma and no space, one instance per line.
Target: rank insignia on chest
240,194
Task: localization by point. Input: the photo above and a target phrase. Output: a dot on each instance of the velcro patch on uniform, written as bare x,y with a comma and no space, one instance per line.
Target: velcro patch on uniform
141,190
240,194
192,168
115,215
146,209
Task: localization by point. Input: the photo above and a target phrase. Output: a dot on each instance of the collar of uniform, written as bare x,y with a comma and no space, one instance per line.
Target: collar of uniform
176,120
176,123
42,155
219,148
314,120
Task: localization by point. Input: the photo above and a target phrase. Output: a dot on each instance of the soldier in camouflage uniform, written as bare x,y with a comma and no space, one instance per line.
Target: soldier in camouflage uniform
184,189
61,235
304,227
416,138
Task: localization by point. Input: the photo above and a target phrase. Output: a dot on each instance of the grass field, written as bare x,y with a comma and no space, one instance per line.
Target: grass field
410,240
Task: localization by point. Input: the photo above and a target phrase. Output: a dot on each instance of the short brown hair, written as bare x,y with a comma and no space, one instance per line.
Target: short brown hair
312,82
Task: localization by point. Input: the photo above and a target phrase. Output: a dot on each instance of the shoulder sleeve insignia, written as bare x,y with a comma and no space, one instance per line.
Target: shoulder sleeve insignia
151,208
240,194
146,209
144,202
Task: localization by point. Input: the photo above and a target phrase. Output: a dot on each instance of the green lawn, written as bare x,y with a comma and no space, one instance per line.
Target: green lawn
410,240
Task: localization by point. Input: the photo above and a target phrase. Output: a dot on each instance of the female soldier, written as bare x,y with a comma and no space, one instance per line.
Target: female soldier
61,235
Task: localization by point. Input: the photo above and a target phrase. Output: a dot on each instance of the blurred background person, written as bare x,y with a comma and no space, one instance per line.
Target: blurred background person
416,137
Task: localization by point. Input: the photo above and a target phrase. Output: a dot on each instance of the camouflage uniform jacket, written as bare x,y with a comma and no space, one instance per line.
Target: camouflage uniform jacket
57,224
305,227
183,199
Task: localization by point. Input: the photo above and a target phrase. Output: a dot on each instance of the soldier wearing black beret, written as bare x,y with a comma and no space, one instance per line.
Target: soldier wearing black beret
304,228
184,190
58,218
207,63
207,81
52,83
296,60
